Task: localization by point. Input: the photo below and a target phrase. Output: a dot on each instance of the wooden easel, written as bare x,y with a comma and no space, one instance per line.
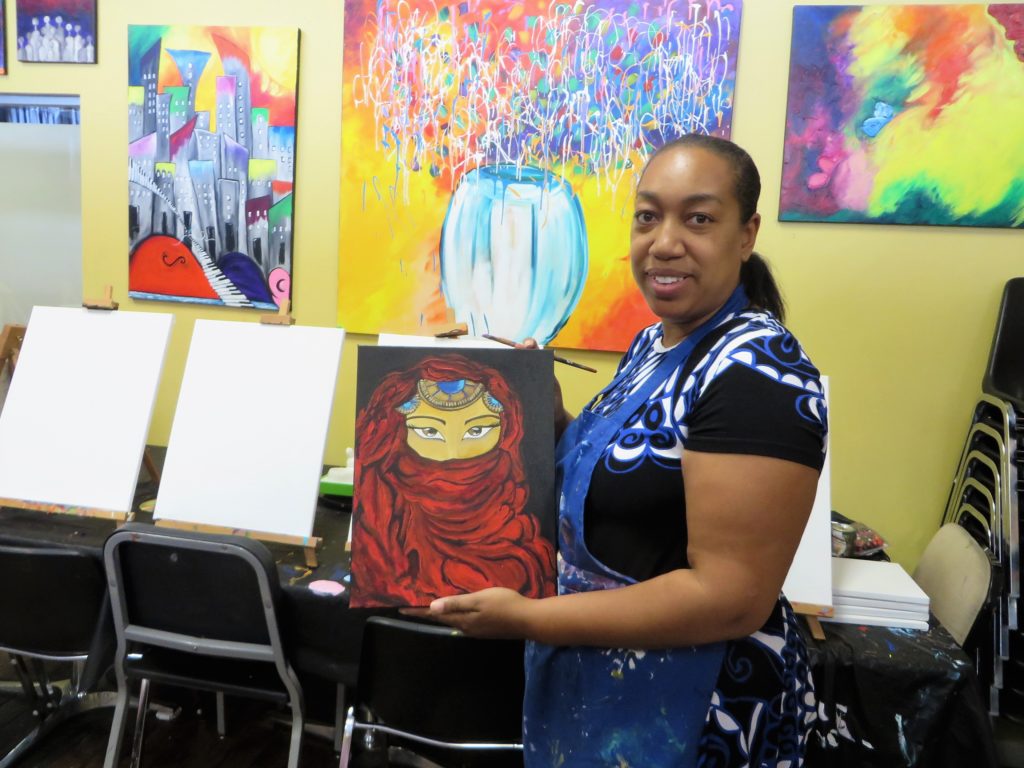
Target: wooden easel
308,545
812,614
11,339
10,346
282,317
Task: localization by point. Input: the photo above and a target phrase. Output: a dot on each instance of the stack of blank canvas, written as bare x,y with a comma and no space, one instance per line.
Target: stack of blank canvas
876,593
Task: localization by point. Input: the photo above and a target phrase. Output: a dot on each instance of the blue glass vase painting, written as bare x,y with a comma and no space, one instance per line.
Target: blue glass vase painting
513,252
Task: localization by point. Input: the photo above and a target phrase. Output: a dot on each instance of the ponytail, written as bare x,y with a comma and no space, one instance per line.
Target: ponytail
762,290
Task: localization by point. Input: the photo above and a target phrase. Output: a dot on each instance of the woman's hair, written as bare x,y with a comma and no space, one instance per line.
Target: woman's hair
755,274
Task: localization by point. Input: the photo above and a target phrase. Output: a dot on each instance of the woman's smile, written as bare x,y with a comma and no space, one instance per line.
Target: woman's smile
666,285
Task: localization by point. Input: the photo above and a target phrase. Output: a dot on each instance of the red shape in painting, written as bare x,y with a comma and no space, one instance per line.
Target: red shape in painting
163,265
1011,16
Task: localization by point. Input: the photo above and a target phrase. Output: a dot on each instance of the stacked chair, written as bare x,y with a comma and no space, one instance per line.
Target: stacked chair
985,500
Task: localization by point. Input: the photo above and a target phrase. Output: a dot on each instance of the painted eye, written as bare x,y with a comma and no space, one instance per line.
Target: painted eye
475,433
428,433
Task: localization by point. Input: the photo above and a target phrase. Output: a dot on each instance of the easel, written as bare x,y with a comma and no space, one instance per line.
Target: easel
10,348
307,544
11,340
811,614
282,317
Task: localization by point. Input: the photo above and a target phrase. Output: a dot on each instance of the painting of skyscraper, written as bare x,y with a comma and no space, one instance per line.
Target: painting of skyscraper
56,31
211,163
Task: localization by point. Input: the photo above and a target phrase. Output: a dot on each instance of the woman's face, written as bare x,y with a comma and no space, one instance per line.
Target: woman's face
687,242
462,433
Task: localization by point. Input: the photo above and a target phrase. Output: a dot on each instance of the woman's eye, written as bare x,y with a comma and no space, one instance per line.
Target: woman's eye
428,433
700,218
643,217
475,433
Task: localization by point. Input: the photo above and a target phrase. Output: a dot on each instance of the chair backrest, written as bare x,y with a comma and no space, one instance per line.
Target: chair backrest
439,684
956,574
221,591
50,600
1004,375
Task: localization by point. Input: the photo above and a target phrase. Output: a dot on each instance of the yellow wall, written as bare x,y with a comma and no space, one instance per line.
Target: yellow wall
899,317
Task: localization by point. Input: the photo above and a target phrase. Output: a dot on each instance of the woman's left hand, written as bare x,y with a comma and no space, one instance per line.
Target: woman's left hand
496,612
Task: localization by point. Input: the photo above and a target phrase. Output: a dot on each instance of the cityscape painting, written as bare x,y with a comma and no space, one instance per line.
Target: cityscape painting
211,163
490,149
56,31
906,114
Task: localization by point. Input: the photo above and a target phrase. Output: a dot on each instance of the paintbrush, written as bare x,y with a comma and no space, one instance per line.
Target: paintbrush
558,359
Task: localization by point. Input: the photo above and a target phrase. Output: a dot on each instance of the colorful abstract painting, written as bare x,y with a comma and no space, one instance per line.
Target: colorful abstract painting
211,163
57,31
3,39
906,115
490,150
454,486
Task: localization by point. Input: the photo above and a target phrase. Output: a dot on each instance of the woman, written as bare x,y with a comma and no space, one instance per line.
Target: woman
441,491
683,569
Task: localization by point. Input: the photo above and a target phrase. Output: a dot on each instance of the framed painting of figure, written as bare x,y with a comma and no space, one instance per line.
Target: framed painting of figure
56,31
454,487
211,158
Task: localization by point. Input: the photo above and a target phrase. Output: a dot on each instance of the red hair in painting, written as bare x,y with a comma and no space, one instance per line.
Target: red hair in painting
424,529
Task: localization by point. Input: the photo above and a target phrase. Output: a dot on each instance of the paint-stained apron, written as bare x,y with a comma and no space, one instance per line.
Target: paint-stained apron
591,707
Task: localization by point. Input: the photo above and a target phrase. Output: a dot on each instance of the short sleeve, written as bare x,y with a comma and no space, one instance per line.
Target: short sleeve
753,402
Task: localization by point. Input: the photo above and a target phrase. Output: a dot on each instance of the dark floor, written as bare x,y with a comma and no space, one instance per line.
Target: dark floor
257,735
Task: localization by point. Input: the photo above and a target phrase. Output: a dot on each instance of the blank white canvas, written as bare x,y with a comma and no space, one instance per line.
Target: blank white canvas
809,579
877,621
74,425
897,611
875,580
247,443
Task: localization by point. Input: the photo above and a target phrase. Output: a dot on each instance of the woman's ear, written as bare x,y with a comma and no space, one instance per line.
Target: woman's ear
750,229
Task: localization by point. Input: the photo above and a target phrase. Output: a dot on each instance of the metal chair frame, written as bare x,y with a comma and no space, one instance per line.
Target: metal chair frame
271,653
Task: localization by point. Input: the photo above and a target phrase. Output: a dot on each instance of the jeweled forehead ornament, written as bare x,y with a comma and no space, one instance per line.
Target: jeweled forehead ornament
450,395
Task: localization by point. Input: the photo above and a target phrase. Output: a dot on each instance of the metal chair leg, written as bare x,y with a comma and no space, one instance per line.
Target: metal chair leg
346,742
117,725
221,729
295,747
339,716
140,724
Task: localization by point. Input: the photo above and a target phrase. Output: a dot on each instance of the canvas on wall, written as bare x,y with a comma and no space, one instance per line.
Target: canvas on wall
454,480
56,31
3,39
490,150
906,115
211,159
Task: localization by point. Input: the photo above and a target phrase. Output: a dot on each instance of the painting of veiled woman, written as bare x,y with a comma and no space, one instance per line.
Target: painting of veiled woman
454,486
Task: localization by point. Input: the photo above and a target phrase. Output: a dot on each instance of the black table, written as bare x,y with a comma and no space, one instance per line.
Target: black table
896,697
886,697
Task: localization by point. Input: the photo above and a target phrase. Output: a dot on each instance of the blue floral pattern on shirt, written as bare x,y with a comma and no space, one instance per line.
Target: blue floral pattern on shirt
657,430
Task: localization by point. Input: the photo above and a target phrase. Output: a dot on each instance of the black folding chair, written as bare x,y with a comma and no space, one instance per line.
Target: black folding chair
198,611
433,686
52,603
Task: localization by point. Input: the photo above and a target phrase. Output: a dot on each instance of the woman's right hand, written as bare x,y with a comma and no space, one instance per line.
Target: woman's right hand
562,416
